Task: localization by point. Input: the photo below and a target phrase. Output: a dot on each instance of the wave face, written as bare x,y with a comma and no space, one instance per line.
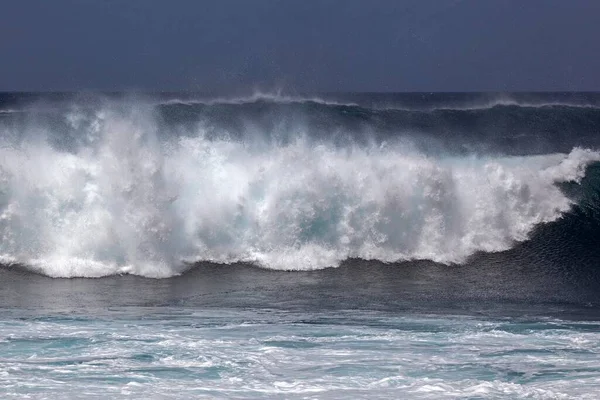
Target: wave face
90,188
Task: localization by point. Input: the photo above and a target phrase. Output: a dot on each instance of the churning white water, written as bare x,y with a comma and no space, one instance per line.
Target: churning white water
130,198
208,354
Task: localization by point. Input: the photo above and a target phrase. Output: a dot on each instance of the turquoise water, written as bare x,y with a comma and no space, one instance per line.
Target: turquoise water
163,352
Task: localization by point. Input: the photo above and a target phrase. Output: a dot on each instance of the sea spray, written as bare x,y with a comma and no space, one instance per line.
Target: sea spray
121,192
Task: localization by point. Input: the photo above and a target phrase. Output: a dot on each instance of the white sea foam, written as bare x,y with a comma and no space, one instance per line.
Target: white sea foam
129,202
223,353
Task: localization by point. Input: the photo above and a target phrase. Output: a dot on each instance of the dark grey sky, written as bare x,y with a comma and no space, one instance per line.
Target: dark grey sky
304,45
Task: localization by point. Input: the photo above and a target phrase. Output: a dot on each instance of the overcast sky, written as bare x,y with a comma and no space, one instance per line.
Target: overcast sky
304,45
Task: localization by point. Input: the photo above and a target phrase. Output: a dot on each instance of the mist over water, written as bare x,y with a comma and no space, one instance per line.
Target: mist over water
91,189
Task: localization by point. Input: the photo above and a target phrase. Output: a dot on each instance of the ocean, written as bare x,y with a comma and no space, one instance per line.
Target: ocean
330,246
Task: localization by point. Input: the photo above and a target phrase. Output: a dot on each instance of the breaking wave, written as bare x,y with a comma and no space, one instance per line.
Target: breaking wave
124,196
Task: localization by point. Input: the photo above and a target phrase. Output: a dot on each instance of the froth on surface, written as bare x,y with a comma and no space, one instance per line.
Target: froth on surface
181,353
